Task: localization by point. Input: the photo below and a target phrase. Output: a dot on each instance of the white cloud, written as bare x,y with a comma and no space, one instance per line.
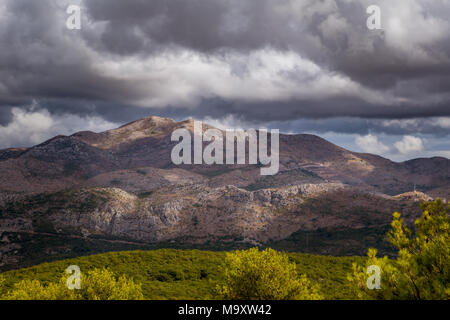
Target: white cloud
409,144
184,77
228,122
433,125
443,122
410,29
440,153
370,144
29,128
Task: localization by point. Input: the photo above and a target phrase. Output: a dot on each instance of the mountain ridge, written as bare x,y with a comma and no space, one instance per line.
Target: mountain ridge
93,192
146,143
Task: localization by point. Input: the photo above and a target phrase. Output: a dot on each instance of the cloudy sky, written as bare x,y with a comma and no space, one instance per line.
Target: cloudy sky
297,65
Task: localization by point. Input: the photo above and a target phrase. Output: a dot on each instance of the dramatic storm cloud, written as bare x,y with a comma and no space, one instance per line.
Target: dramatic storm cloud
298,65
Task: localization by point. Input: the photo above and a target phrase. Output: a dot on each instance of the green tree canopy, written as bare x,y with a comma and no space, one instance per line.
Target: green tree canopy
422,268
264,275
98,284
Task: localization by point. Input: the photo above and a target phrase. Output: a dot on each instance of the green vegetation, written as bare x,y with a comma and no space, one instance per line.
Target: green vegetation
2,286
186,274
264,275
144,195
140,171
98,284
342,242
421,270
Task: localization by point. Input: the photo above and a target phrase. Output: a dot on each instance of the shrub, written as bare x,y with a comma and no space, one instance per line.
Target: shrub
2,285
102,285
144,195
264,275
98,284
35,290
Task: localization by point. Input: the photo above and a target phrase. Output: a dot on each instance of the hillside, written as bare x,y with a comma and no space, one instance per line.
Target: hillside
188,274
339,220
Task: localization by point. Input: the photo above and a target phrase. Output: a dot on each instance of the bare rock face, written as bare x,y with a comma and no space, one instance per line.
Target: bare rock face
414,196
279,196
207,213
169,212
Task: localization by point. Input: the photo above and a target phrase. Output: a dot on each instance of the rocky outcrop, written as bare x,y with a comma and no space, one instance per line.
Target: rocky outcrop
198,211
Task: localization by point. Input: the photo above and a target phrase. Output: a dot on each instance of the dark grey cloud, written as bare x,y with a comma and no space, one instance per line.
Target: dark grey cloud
5,115
39,60
300,64
333,33
111,111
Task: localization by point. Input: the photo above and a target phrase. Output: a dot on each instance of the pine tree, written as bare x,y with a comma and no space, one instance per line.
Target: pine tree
422,268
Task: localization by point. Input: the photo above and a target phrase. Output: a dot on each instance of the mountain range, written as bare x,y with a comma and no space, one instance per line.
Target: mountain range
118,189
